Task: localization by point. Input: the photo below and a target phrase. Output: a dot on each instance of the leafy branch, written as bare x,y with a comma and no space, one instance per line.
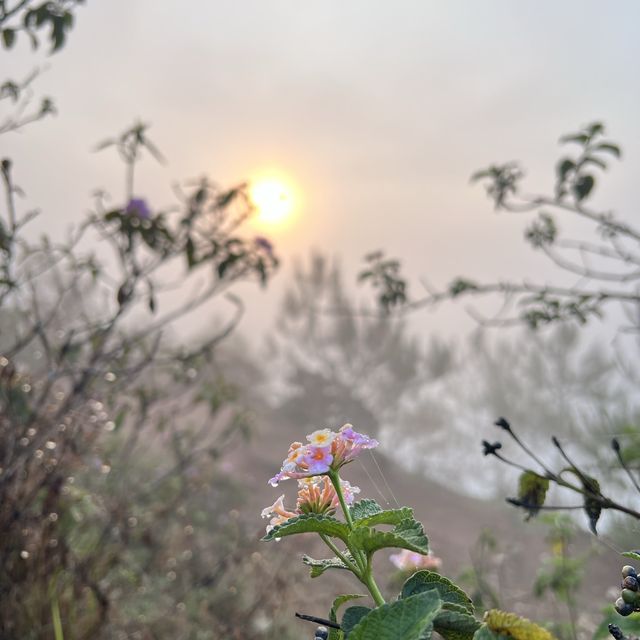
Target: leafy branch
534,483
607,268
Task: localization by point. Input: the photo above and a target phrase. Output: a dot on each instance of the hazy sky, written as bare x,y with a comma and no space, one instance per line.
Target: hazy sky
377,111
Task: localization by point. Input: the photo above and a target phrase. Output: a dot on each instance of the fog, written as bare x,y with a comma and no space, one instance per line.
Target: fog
137,436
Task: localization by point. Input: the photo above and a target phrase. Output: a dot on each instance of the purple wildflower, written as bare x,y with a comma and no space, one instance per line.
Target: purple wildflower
138,207
263,243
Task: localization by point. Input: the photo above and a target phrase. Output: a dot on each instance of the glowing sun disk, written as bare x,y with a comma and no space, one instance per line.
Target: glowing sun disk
272,199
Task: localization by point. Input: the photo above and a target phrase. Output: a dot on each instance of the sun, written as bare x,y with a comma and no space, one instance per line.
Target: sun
273,200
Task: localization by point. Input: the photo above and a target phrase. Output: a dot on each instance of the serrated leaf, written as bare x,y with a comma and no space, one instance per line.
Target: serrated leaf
310,523
364,509
408,534
339,601
453,625
407,619
514,626
389,516
318,567
532,491
352,617
484,633
456,607
634,555
449,592
337,634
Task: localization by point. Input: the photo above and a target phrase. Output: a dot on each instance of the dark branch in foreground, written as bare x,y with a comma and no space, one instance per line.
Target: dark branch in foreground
323,621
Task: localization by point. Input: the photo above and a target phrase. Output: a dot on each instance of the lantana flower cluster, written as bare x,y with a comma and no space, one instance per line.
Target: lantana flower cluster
326,451
315,495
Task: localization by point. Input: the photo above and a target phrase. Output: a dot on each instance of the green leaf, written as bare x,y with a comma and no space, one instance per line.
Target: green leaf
532,491
407,619
480,175
634,555
599,163
335,634
595,128
190,252
484,633
58,32
580,138
228,262
352,617
339,601
318,567
592,497
592,506
364,509
453,625
389,516
225,199
408,534
563,168
456,607
613,149
449,592
119,421
460,286
310,523
583,187
8,37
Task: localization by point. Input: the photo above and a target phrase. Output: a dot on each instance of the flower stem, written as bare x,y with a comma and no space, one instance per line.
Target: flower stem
365,575
335,481
370,583
352,567
358,555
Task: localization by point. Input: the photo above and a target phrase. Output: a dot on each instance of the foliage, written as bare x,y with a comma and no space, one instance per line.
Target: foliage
383,274
562,572
484,572
115,506
607,267
533,484
428,602
32,16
